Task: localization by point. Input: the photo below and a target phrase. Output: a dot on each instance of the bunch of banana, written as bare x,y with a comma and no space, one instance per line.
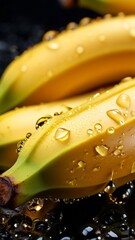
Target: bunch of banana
17,125
103,6
101,53
79,152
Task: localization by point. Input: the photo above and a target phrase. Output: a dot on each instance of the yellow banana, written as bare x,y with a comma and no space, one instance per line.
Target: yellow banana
101,52
18,124
77,153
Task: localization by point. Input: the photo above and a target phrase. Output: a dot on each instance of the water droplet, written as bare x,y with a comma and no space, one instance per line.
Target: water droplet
126,79
53,45
102,150
123,100
80,49
81,164
102,38
111,130
72,182
132,32
35,205
71,26
85,21
20,145
116,115
98,127
62,134
110,188
43,120
24,68
96,169
57,114
50,35
133,168
28,135
90,132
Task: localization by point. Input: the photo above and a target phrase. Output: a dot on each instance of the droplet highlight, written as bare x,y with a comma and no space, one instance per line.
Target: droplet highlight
90,132
102,150
116,115
80,49
35,205
53,45
50,35
110,130
98,127
110,188
123,101
81,164
62,134
43,120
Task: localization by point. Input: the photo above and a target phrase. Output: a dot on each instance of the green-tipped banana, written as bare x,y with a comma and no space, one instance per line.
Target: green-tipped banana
77,153
17,125
101,52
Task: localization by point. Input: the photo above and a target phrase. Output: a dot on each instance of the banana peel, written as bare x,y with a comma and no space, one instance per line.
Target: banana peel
108,6
92,145
102,52
17,125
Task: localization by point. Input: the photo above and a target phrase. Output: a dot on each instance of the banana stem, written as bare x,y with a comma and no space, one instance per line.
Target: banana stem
6,191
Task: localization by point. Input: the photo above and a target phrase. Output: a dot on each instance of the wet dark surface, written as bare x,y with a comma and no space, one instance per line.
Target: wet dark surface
22,24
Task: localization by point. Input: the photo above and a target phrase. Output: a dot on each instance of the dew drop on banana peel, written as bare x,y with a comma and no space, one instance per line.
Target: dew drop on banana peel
98,127
116,115
102,150
81,164
90,132
35,205
80,49
53,45
62,134
24,68
123,101
132,32
43,120
110,188
110,130
49,35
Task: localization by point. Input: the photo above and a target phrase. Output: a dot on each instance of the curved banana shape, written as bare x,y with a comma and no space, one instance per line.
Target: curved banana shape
18,124
77,153
101,52
108,6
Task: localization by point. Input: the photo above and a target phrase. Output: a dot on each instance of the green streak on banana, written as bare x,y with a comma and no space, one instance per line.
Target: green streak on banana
109,6
15,124
78,152
101,53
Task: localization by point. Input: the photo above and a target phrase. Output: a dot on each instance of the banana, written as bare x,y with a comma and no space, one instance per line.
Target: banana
17,125
77,153
108,6
101,53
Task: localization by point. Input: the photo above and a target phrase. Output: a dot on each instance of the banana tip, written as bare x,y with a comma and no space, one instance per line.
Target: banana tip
6,190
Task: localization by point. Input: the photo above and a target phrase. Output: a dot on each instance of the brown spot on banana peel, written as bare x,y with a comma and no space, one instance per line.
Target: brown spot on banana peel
74,168
94,50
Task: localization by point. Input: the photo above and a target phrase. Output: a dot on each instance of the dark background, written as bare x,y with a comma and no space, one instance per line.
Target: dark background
23,23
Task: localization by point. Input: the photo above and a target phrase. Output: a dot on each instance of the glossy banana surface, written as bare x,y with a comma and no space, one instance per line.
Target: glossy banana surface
17,125
78,153
101,53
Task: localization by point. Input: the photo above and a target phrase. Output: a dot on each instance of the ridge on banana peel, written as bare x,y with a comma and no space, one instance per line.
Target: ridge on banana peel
78,152
103,6
102,52
17,125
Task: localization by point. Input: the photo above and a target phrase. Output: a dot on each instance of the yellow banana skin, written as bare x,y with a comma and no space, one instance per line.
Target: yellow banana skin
57,69
92,144
109,6
16,124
